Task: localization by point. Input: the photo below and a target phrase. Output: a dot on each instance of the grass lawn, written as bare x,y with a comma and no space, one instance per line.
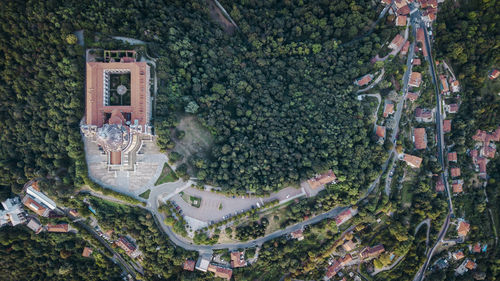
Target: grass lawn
192,200
145,194
406,195
167,175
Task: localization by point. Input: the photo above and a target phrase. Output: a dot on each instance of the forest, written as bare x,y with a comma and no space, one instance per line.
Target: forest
50,256
278,98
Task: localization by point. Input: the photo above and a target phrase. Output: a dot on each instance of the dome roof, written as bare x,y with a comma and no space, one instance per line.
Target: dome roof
112,137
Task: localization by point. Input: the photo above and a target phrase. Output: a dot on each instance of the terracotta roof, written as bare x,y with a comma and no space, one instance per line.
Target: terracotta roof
439,185
86,252
73,212
322,179
420,34
139,91
452,157
388,109
476,248
412,160
36,207
412,96
481,162
473,154
221,272
463,228
444,84
458,255
453,108
189,265
387,2
342,217
237,260
455,172
333,269
423,113
432,3
479,136
405,10
399,3
417,62
495,136
397,42
297,234
64,227
420,138
406,46
401,21
446,126
372,251
348,246
488,151
457,186
471,265
364,80
494,74
415,79
381,131
123,243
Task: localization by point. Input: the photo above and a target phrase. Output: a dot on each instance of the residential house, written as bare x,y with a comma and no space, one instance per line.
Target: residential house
322,179
488,151
400,3
412,161
463,228
455,172
455,86
452,157
420,138
476,248
452,108
421,39
401,21
73,212
203,262
415,79
397,42
40,197
479,136
466,265
63,227
189,265
471,265
412,96
423,115
388,109
220,272
444,85
362,81
337,265
458,255
457,186
343,217
405,10
417,62
348,246
439,185
494,74
380,132
87,252
128,247
370,252
406,46
387,2
481,163
238,259
297,234
447,126
35,225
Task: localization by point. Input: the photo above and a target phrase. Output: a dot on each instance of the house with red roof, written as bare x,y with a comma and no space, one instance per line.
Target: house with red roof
401,20
87,252
322,179
494,74
406,46
388,109
412,161
488,151
415,79
412,96
481,163
458,255
458,186
452,157
380,132
452,108
420,138
370,252
405,10
397,42
238,259
189,265
476,248
220,271
439,185
423,115
455,172
443,85
446,125
463,228
63,227
364,80
297,234
479,136
417,62
343,217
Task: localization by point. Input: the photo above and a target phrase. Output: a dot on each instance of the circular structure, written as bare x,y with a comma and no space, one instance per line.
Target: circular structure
121,90
112,137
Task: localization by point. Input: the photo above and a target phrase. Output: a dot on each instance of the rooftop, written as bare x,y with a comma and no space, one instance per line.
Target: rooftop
189,265
452,157
380,131
63,227
322,179
87,252
415,79
412,160
463,228
420,138
455,172
446,125
388,109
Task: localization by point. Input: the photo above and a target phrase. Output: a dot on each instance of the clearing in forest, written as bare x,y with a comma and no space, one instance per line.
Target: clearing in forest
197,139
217,15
